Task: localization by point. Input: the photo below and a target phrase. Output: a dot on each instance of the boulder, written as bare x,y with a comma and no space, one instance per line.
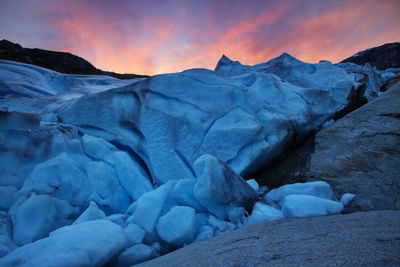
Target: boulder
363,238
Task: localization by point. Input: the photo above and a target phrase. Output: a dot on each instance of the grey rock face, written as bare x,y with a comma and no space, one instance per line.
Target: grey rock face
358,154
364,238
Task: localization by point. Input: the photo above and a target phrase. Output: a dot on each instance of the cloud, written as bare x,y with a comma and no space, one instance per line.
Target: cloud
167,36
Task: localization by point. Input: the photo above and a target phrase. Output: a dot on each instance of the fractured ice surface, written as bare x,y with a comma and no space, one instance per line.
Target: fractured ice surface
370,76
60,177
35,217
91,243
154,164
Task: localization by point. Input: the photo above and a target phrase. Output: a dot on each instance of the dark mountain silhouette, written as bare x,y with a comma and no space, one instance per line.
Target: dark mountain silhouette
382,57
58,61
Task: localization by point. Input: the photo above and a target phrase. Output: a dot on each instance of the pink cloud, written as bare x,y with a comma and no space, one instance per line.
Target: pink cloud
138,43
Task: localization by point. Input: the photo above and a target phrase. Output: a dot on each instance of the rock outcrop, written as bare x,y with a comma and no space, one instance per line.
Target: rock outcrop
364,238
58,61
359,154
382,57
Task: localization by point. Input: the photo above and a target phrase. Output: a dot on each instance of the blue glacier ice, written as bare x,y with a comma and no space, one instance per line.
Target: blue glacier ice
148,165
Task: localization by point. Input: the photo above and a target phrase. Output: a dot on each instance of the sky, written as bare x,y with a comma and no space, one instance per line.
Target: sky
162,36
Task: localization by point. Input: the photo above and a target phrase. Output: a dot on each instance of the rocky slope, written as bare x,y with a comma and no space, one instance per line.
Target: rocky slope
359,153
358,239
58,61
382,57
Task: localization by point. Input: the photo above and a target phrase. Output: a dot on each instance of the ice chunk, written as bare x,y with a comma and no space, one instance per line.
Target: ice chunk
233,132
118,219
135,255
4,250
253,183
134,234
263,190
182,194
387,75
91,213
37,216
178,226
202,218
98,148
60,177
148,207
303,206
237,215
220,226
328,123
156,246
6,241
264,213
205,232
131,176
91,243
219,188
347,198
7,198
317,189
107,191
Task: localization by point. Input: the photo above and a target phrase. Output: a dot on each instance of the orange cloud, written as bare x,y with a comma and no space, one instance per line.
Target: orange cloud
342,32
147,44
105,44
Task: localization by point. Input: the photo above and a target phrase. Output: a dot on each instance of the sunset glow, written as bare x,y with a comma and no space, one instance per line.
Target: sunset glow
150,37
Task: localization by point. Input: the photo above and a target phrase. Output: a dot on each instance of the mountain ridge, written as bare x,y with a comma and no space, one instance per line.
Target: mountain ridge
63,62
382,57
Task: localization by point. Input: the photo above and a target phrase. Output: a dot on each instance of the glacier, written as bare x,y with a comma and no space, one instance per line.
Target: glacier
101,170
